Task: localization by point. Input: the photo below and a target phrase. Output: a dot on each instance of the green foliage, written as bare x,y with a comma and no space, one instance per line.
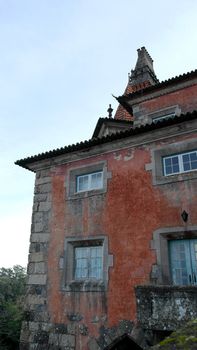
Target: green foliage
184,338
12,289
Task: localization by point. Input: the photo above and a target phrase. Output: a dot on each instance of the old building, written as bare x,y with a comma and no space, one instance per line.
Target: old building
113,247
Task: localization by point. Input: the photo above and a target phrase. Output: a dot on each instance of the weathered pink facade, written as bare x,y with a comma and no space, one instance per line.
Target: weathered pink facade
133,216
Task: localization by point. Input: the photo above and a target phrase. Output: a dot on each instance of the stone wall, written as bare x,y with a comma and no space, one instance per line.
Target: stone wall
165,308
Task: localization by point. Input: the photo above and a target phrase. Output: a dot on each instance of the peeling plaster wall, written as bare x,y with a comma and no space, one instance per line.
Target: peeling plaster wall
127,213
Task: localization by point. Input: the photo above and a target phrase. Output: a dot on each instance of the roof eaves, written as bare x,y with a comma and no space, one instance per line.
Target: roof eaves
105,139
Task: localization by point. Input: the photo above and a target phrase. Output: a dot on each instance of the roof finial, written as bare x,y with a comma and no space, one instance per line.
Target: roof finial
143,71
110,110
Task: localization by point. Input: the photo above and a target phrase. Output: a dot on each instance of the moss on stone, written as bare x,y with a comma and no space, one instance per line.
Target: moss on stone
183,339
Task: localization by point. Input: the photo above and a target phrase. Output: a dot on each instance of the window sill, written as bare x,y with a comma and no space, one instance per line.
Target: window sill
84,194
85,286
159,180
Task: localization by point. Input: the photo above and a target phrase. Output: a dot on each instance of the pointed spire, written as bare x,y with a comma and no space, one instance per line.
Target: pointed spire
143,72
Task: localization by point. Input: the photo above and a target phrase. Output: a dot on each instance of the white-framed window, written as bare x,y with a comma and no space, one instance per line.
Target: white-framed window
91,181
88,263
180,163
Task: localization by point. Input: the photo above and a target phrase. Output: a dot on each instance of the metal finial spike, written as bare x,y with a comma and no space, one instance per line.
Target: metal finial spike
110,110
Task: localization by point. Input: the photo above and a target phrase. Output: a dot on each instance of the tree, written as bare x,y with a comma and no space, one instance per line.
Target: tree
12,289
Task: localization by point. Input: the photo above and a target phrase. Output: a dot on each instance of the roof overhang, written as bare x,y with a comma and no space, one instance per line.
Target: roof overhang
96,146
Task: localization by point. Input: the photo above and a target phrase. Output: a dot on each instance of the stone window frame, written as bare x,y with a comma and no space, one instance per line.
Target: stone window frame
157,155
72,285
83,170
141,117
168,112
160,273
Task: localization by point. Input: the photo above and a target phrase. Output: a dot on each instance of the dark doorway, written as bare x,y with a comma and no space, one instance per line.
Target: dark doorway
125,342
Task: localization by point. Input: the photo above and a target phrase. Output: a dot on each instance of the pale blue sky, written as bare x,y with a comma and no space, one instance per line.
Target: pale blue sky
60,62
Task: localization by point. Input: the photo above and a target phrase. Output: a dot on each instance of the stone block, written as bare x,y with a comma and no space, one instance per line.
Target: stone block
71,328
41,316
37,247
83,329
37,217
33,326
24,337
54,339
37,279
148,166
38,227
36,207
43,173
41,337
43,180
35,300
45,188
40,197
39,237
93,345
45,326
36,257
60,328
45,206
38,267
67,340
33,346
37,290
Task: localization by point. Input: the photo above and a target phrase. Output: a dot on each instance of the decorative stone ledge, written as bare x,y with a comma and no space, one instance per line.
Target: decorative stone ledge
165,307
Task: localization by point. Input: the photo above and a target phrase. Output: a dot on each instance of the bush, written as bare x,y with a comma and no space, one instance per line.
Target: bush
12,289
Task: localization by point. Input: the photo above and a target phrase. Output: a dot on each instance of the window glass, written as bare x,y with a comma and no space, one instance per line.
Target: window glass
190,161
88,262
171,165
89,182
82,183
183,262
96,180
180,163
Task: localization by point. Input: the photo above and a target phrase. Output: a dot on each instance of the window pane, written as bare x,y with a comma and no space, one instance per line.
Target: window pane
168,170
82,183
168,162
96,180
81,262
185,158
190,161
88,262
186,166
175,168
175,160
180,262
96,262
171,165
193,156
194,165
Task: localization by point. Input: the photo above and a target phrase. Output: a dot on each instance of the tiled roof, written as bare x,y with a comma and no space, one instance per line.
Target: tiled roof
105,139
152,88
